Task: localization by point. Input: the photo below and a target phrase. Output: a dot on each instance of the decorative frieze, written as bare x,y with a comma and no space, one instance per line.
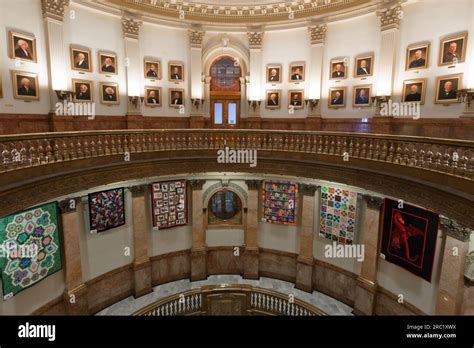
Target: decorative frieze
131,27
308,189
255,39
317,33
373,202
390,18
455,229
54,8
195,38
69,205
253,184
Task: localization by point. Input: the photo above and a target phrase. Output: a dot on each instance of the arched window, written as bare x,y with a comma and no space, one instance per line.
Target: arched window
225,208
225,74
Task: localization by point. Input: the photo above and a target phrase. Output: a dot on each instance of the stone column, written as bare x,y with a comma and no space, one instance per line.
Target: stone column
141,228
251,253
133,71
315,70
367,281
451,280
198,250
197,113
75,292
304,266
53,16
255,39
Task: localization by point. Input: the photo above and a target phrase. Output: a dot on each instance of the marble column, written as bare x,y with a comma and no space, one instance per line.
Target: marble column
198,249
251,253
75,292
304,266
197,112
367,281
451,280
255,39
141,228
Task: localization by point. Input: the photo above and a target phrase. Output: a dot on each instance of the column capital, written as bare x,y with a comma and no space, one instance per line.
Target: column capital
454,229
69,205
390,18
253,184
373,202
195,38
255,38
138,190
317,33
196,184
308,189
130,27
54,8
469,270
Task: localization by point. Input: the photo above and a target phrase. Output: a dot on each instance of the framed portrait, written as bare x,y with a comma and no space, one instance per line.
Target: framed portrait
337,97
108,63
274,72
109,93
297,72
152,96
452,49
176,98
417,56
364,66
414,91
361,96
272,100
447,87
338,68
83,90
25,85
22,47
176,72
80,59
296,98
152,69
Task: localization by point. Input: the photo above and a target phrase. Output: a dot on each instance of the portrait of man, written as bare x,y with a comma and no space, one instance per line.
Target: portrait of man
176,97
25,85
273,73
83,90
364,66
108,63
414,91
337,97
109,93
153,96
297,72
80,59
361,95
296,99
447,87
417,57
273,99
176,72
453,49
22,47
338,70
152,69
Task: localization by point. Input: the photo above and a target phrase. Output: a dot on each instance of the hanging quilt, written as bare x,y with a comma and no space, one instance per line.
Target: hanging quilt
279,201
338,214
169,203
409,237
31,248
106,209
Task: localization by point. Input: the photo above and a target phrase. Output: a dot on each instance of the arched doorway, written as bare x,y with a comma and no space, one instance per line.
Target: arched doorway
225,92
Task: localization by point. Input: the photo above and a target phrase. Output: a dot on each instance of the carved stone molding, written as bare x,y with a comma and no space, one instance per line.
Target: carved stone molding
196,184
69,205
211,190
469,270
54,8
455,229
195,38
253,184
138,190
131,27
390,18
373,202
317,33
308,189
255,39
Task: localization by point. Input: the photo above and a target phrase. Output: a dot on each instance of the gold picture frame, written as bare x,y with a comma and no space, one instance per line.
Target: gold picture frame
173,94
445,55
341,99
81,95
414,91
15,40
149,99
176,71
296,103
273,103
109,98
271,78
78,64
445,96
22,89
417,56
334,73
359,70
360,101
107,67
294,75
148,72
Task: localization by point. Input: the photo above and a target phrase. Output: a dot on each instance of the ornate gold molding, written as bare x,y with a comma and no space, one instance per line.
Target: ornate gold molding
308,189
317,33
255,39
195,38
455,229
130,27
54,8
390,18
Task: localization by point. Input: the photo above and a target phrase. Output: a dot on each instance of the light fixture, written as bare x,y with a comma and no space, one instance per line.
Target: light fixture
64,95
254,104
312,103
465,96
378,100
134,100
197,101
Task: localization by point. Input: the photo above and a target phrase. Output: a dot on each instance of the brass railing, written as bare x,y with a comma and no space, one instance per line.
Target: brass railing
453,157
245,300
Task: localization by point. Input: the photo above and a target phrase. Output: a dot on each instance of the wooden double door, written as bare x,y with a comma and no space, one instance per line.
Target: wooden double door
225,111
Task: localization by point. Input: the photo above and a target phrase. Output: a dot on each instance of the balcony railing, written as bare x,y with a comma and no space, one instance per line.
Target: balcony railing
453,157
229,300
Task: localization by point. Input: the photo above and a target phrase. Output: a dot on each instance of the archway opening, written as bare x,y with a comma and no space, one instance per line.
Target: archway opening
225,208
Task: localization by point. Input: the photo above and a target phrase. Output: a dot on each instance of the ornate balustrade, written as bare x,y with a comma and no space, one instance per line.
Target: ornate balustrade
229,300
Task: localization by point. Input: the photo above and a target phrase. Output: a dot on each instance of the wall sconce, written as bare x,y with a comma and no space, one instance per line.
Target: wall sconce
64,95
466,96
134,100
378,100
254,104
196,102
312,103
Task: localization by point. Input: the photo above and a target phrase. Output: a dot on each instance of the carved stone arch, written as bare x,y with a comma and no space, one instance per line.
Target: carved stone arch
238,190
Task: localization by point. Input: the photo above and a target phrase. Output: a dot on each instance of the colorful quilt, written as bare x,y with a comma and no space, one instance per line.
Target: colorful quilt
106,209
31,248
279,201
169,203
409,237
338,214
